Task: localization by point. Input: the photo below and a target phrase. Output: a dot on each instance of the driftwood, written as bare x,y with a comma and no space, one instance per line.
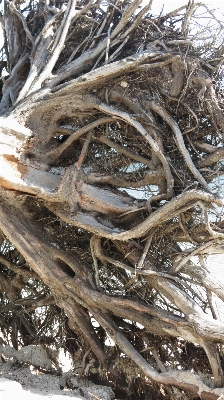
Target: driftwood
111,171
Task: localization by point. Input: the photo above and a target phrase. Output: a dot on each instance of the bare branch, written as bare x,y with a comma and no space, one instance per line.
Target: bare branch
126,117
20,16
211,158
58,44
54,154
179,139
102,73
182,380
123,150
188,15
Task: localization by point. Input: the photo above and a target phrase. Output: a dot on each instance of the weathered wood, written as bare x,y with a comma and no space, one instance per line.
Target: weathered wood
111,128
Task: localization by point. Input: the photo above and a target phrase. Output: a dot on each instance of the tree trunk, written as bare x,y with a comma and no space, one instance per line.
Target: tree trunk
121,155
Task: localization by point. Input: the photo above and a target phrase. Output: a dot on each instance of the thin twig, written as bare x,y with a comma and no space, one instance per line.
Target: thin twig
108,44
146,249
157,359
117,51
93,395
84,149
92,248
211,304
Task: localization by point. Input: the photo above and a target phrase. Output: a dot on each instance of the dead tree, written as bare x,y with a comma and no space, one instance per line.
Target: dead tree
111,135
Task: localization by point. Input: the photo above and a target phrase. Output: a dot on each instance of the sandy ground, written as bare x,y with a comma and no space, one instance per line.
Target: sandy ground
47,387
18,380
12,389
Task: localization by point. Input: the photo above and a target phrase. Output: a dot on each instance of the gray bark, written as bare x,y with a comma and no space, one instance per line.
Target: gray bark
92,112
